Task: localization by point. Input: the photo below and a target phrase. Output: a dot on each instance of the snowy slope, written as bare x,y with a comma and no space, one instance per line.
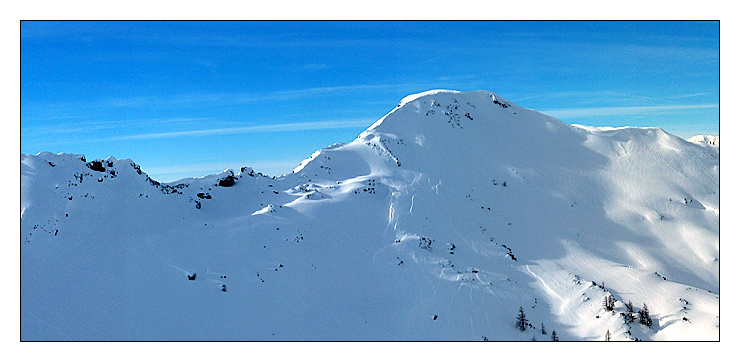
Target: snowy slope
437,223
710,140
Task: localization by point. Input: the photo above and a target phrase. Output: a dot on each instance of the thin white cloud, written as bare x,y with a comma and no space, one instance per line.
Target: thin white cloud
54,110
680,96
241,98
270,128
622,111
82,127
603,96
286,40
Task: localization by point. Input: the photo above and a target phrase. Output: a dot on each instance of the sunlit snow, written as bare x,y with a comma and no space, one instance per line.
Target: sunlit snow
437,223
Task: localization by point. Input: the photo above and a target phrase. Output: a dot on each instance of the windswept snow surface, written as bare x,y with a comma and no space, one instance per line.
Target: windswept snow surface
437,223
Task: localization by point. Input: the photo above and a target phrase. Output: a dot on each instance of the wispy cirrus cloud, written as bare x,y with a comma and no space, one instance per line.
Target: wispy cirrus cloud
92,126
243,97
43,112
82,135
604,96
269,128
623,111
692,95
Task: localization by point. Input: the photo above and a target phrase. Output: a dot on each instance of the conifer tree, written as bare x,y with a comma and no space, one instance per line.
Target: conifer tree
521,320
543,328
645,316
629,317
554,336
608,303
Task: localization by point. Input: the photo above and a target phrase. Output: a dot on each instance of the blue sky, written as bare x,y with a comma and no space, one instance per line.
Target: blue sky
193,98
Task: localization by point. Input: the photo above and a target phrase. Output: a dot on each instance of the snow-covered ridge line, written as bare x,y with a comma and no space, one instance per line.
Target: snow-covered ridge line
442,221
413,97
112,163
711,140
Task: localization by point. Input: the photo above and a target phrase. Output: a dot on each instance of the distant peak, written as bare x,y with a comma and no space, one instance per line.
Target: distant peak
707,139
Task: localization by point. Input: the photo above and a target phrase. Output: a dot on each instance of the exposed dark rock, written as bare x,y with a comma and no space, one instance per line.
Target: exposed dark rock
425,243
227,181
503,105
152,181
96,165
251,172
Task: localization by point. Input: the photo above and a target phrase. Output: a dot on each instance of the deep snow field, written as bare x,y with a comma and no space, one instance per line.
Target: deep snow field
437,223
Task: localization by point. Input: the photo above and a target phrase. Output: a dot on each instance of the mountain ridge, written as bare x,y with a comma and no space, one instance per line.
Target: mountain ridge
456,207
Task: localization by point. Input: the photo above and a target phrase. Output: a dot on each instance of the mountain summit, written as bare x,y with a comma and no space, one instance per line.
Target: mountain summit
447,219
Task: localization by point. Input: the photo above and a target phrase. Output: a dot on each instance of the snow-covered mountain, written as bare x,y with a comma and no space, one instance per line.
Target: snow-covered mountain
437,223
708,139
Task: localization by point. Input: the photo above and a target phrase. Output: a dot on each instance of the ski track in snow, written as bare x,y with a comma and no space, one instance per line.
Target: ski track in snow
549,290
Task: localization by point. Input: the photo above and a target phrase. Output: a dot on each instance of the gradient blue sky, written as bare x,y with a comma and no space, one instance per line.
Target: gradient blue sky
193,98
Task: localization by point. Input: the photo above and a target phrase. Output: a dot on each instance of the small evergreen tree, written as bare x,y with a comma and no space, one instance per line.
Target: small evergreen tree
645,316
543,328
608,303
629,317
521,320
554,336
